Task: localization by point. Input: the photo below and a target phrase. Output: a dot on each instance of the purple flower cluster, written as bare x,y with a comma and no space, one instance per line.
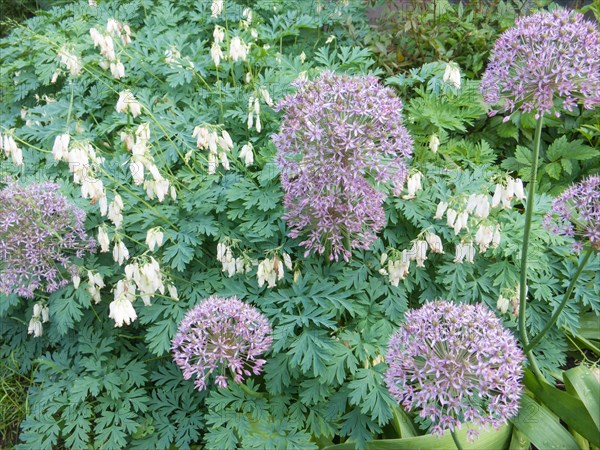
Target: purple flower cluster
340,137
456,364
40,231
219,334
545,55
578,211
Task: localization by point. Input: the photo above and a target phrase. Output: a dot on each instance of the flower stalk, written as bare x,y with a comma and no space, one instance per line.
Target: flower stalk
525,249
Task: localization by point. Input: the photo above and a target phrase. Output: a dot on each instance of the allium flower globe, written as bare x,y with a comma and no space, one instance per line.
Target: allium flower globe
40,233
341,137
546,55
455,364
222,336
576,212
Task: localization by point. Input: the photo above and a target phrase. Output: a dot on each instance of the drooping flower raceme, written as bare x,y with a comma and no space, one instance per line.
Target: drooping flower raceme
340,137
546,55
221,335
455,364
577,212
40,231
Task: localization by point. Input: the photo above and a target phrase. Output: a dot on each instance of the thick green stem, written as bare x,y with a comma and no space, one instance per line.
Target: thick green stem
525,248
456,441
562,305
250,392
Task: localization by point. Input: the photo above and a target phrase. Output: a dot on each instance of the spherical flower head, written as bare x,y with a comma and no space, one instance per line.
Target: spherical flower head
546,55
576,213
40,233
220,334
342,145
455,364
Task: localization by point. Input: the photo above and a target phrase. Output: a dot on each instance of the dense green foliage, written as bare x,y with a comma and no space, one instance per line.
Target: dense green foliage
96,386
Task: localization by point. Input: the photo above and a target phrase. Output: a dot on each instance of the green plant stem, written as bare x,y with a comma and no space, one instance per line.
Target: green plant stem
456,441
525,248
249,391
562,305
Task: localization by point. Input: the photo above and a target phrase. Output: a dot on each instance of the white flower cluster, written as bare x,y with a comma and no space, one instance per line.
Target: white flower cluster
83,162
146,278
254,108
510,298
11,150
231,264
142,161
95,283
105,41
399,267
70,61
218,147
40,315
271,270
452,75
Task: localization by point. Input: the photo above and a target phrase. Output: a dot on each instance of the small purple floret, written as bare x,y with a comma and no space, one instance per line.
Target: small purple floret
455,364
221,335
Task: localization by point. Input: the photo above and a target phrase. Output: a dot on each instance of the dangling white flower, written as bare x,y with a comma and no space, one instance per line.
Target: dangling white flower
469,252
287,261
496,237
121,308
399,269
154,238
114,211
434,143
266,96
173,292
461,222
35,323
76,281
418,252
302,57
451,217
60,149
268,272
117,69
95,282
519,191
70,61
103,240
247,155
482,208
484,237
216,53
227,143
238,49
120,253
128,103
216,8
452,74
435,242
461,252
497,198
201,134
502,304
413,185
440,210
218,34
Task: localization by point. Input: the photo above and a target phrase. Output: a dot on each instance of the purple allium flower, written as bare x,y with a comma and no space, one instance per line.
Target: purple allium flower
455,364
40,231
546,55
578,211
340,137
219,334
